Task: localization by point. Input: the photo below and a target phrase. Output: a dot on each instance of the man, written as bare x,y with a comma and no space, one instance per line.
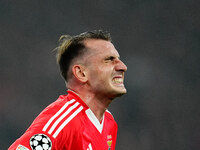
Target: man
94,76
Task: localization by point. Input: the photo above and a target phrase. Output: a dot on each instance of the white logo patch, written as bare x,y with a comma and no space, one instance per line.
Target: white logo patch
20,147
40,142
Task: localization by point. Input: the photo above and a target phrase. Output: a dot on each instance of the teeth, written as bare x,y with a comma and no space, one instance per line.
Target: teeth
118,80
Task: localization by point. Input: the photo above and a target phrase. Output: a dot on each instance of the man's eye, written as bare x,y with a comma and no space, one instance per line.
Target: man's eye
110,58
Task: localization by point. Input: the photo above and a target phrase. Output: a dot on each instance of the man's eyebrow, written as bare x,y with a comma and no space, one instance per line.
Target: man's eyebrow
112,57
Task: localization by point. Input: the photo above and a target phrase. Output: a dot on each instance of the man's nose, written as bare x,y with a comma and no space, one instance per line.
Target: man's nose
121,66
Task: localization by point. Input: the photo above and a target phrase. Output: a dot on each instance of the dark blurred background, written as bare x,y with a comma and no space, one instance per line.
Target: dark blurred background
158,40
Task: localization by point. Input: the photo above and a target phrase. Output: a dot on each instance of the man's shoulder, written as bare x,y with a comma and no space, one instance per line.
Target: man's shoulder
57,115
60,114
110,121
56,121
56,105
51,109
109,115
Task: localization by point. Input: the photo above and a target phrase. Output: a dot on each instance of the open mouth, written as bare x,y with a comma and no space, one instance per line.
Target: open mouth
117,81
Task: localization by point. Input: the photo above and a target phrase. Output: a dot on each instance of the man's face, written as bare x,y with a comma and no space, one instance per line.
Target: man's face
105,69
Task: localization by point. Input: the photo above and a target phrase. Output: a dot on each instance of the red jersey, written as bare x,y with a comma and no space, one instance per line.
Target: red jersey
68,124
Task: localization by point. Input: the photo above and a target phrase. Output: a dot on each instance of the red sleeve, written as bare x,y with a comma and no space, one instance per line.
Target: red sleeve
32,140
39,135
35,136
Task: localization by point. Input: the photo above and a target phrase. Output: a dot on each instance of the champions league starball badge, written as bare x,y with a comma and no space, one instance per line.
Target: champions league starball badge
40,142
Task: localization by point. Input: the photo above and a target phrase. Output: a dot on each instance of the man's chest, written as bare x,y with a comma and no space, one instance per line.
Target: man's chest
95,138
85,133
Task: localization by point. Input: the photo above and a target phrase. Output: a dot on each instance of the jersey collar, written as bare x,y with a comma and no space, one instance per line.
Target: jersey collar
88,111
75,95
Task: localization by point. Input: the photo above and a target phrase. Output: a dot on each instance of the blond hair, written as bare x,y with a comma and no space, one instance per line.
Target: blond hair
71,47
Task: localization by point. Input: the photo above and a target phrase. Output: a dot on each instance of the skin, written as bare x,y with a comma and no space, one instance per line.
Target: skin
98,76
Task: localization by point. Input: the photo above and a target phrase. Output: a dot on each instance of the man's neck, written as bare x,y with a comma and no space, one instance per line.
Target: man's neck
96,104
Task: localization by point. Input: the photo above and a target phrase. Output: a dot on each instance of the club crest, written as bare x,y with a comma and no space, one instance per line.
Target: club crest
109,141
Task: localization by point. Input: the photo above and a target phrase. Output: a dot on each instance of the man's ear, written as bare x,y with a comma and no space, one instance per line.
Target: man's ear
79,73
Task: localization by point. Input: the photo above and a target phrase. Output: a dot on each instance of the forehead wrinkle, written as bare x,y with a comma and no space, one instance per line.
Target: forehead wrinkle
99,47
